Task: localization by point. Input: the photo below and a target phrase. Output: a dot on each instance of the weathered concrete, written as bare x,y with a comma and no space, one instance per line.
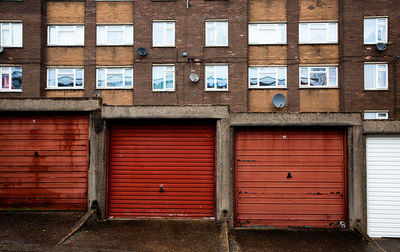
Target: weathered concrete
224,192
97,162
165,112
48,104
381,127
295,119
298,240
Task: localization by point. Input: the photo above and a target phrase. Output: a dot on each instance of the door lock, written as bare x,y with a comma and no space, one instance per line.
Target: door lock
289,175
161,188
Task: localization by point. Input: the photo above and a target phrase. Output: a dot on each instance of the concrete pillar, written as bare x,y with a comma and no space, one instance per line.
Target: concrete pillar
97,162
356,179
224,172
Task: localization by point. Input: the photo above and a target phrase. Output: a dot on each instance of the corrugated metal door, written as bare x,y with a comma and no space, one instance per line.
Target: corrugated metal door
161,171
383,186
290,178
43,162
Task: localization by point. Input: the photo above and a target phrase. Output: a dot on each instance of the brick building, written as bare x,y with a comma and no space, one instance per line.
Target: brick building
165,109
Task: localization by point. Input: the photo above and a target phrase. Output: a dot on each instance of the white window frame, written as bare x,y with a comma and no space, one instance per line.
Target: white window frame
168,25
57,73
122,29
377,24
379,115
212,24
327,77
261,69
309,27
73,29
262,26
377,70
18,45
214,71
9,72
165,71
106,69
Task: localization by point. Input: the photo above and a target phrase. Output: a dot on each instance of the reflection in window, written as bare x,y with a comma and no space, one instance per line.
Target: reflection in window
375,30
163,78
217,77
10,79
267,77
114,78
64,78
318,77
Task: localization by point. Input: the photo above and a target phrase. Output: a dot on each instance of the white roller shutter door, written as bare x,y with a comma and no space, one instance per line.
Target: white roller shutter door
383,186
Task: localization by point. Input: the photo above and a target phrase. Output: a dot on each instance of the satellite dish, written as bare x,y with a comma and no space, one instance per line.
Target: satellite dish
194,77
141,51
279,101
381,47
1,49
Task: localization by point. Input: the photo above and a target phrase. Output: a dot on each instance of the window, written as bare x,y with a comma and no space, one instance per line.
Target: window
163,78
217,33
375,76
11,79
114,78
65,35
67,78
115,35
376,115
267,77
318,76
318,33
11,34
164,33
267,34
217,78
375,30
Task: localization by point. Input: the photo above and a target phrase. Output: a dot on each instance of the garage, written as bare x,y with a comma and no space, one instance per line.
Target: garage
290,178
161,170
43,162
383,186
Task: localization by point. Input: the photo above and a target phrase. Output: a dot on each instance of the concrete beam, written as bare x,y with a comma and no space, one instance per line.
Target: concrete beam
165,112
381,127
295,119
48,104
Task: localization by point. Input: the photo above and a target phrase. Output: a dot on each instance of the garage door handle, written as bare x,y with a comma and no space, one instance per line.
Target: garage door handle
161,188
289,175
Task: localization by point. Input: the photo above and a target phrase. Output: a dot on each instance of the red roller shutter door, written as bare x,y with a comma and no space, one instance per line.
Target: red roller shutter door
161,171
43,162
290,178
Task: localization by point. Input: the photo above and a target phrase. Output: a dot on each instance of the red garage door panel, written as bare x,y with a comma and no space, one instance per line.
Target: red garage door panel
43,162
162,171
290,178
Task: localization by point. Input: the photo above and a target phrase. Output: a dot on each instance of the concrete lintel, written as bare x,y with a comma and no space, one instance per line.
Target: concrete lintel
295,119
165,112
381,127
48,104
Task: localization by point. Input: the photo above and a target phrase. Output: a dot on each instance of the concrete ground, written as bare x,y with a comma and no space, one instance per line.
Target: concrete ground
43,231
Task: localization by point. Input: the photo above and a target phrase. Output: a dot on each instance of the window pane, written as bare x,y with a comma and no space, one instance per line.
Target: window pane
158,33
281,76
170,37
66,71
267,79
211,36
101,35
65,80
128,77
169,83
51,78
5,79
268,35
210,80
80,35
318,69
17,34
52,35
253,76
222,33
304,76
66,37
129,34
303,33
16,76
369,76
79,77
369,30
253,33
318,79
382,79
369,116
222,77
114,80
101,77
318,35
332,76
115,71
158,77
5,37
282,31
115,37
333,32
381,33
